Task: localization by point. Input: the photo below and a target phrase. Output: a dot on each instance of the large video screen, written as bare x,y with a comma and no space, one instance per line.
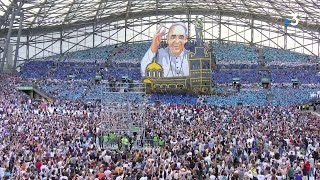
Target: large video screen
173,67
173,59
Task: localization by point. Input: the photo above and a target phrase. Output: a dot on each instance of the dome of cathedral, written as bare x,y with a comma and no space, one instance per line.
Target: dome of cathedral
154,66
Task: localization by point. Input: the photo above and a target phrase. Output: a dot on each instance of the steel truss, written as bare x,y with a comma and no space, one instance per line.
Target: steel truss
6,22
57,27
130,119
127,118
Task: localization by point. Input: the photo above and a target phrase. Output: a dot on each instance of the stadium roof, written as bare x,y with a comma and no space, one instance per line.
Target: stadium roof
51,14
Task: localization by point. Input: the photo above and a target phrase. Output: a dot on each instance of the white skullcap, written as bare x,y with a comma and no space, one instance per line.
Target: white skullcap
176,176
179,24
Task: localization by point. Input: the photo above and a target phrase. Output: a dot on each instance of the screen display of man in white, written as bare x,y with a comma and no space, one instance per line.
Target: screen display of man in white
173,59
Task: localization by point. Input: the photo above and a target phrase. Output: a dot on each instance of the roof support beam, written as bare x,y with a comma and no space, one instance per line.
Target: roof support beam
219,21
3,59
102,5
113,18
66,18
305,10
36,17
275,8
126,20
252,31
16,54
285,35
4,22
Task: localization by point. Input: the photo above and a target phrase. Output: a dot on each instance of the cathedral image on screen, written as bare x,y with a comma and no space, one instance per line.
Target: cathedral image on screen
175,68
198,80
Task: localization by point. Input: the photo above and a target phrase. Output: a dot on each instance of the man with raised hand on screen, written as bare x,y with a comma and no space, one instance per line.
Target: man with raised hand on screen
173,59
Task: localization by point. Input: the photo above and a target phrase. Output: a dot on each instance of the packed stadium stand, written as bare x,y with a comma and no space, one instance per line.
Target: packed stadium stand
228,67
272,54
235,52
247,73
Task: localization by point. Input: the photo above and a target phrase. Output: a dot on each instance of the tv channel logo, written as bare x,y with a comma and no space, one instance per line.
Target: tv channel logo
292,21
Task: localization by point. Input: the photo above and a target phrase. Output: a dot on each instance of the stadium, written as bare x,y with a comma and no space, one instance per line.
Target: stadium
159,89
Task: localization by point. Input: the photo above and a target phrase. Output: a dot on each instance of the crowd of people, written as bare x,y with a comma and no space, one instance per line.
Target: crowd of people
77,140
248,73
280,55
250,94
222,76
87,132
226,52
304,75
